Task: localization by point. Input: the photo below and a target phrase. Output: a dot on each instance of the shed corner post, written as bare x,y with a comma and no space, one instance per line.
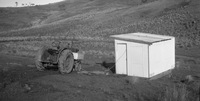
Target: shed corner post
148,61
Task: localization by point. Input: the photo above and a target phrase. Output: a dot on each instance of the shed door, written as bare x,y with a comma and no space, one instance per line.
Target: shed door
121,60
136,58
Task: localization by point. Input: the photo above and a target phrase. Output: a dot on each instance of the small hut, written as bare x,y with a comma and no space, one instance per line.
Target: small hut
143,54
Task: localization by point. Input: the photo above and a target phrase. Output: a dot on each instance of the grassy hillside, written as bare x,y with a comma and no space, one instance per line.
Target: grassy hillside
96,20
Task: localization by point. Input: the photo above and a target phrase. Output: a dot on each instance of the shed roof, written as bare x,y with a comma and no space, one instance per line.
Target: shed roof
139,37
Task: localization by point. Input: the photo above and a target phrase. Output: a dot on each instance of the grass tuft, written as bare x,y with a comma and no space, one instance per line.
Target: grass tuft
175,93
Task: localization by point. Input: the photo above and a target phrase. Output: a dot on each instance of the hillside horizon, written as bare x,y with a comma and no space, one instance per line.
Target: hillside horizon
101,18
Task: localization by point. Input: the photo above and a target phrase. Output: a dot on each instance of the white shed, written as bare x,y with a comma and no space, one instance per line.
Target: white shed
143,54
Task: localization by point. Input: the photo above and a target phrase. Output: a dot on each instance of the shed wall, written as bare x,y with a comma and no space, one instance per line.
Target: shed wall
138,59
161,56
135,63
120,57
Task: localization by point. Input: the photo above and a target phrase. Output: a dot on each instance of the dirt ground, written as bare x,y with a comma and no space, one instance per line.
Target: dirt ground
20,81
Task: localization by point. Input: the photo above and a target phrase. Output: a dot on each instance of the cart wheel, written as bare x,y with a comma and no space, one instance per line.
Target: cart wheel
39,65
66,62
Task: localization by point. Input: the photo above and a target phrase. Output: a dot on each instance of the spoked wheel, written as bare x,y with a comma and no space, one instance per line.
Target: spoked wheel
66,62
39,65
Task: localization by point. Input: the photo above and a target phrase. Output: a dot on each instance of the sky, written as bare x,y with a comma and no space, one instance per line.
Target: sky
11,3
